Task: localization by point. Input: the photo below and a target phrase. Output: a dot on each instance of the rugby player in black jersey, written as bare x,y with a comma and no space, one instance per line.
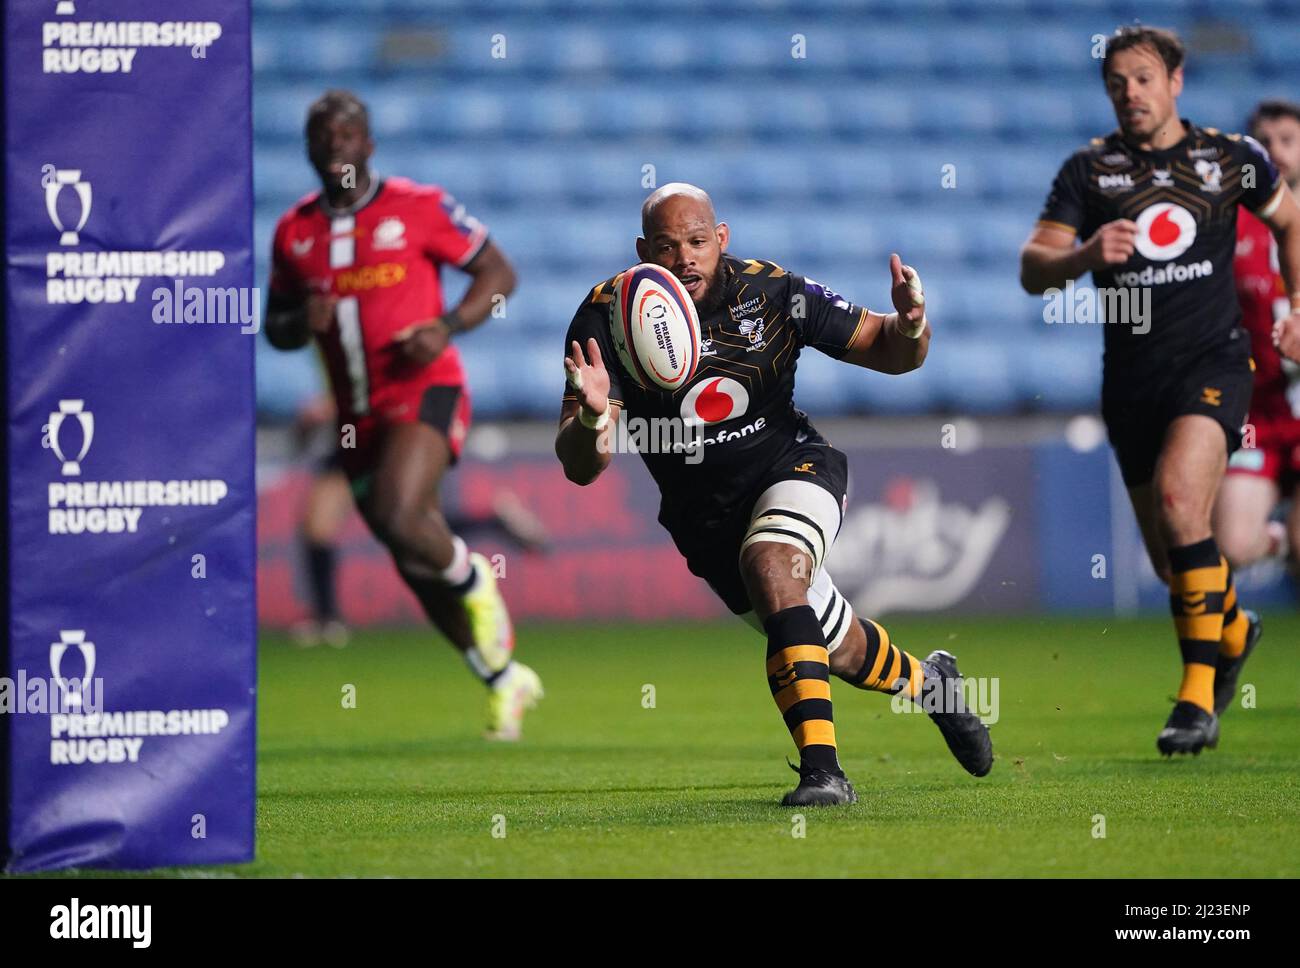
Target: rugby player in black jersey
1155,206
755,501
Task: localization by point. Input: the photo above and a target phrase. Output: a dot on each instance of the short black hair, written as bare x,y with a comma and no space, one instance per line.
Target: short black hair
1271,110
338,103
1164,42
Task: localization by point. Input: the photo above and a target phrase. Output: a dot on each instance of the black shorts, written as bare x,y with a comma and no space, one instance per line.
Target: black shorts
1138,406
712,549
331,463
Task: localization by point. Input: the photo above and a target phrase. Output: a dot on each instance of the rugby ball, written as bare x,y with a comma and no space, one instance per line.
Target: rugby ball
655,328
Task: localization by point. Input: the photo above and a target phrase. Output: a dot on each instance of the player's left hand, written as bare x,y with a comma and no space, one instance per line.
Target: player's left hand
1286,336
422,343
906,293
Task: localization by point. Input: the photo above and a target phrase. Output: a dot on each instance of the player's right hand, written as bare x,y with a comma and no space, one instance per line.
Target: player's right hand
589,381
1111,245
320,311
1286,337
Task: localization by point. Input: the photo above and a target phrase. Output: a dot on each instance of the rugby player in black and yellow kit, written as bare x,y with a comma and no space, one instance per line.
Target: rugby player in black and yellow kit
755,503
1155,206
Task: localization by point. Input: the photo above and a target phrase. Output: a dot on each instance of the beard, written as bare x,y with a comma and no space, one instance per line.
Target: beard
1153,127
714,292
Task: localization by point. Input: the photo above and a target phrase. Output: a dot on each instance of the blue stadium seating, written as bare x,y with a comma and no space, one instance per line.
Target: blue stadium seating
824,129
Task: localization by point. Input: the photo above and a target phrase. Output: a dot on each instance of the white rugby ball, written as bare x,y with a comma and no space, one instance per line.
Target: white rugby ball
655,327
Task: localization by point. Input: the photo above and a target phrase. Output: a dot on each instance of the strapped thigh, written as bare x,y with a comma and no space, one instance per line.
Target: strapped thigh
798,513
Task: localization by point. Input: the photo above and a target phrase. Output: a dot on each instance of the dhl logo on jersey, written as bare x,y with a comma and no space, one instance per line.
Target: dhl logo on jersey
364,278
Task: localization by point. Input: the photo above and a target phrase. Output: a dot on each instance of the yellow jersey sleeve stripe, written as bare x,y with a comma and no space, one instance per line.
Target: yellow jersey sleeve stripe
1270,207
1043,223
857,329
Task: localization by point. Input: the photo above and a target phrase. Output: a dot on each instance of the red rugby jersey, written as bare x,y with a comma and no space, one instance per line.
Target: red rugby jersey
1262,295
383,258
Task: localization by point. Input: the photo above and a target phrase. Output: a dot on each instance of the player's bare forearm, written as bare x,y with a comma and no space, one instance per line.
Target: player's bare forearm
896,343
1044,267
1286,229
895,351
493,280
1050,259
1285,224
881,345
287,329
583,452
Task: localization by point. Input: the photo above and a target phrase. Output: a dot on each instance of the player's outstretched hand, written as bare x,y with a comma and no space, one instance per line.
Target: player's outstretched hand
1111,245
589,381
906,293
422,343
320,311
1286,337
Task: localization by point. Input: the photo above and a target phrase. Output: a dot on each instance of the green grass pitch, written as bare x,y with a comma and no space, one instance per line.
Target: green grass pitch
402,784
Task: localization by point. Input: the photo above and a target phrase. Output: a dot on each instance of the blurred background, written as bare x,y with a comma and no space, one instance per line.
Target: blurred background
829,134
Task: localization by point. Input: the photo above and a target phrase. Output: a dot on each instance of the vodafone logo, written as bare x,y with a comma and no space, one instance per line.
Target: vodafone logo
714,400
1165,231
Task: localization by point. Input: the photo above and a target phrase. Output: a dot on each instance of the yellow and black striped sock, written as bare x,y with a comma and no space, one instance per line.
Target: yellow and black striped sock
799,675
1235,624
1197,587
886,667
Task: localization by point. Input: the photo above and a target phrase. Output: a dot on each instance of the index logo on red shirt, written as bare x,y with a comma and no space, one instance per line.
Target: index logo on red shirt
364,278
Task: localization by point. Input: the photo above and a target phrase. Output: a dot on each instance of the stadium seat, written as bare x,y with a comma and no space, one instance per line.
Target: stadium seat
868,392
975,374
1061,371
978,51
1045,50
824,163
821,383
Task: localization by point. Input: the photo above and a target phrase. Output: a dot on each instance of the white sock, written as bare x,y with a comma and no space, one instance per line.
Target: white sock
460,573
480,668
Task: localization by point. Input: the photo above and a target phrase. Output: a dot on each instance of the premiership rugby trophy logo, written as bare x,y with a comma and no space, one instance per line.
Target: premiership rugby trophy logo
68,408
54,185
72,689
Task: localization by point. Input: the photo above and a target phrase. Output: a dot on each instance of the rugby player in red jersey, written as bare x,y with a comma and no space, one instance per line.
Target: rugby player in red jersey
1155,206
357,264
1261,475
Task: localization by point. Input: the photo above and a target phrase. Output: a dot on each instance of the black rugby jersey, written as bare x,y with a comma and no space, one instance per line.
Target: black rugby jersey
1184,200
740,404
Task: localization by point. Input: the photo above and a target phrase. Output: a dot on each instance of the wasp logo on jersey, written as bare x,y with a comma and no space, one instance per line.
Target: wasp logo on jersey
1211,173
752,330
